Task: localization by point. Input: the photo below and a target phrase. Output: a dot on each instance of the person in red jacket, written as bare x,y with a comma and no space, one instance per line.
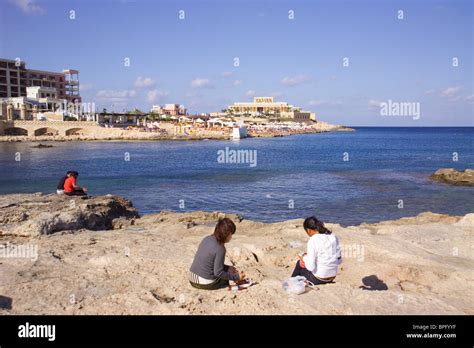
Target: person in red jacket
70,187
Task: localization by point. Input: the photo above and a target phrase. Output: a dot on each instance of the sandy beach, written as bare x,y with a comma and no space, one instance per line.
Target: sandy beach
97,256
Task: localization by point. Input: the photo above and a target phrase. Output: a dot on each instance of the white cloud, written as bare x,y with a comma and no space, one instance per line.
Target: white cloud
115,96
374,104
470,98
85,87
325,102
194,94
450,92
250,93
153,95
201,83
295,80
226,74
237,82
430,92
28,6
144,82
455,98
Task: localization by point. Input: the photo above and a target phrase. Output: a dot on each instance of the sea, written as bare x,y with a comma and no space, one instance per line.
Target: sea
369,175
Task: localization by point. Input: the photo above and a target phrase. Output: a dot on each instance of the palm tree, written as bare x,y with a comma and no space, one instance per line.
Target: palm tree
136,111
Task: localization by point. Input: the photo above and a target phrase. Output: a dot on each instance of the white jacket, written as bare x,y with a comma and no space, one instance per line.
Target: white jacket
323,255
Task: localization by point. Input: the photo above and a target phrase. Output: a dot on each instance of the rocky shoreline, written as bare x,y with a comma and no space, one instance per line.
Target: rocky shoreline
115,134
454,177
98,256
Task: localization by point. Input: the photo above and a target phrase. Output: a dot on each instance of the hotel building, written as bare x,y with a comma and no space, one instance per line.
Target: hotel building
15,78
265,106
261,106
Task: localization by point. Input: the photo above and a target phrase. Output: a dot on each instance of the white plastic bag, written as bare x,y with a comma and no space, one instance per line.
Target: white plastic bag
295,285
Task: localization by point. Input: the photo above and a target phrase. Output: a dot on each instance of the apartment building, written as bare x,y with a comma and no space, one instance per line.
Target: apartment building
169,109
15,78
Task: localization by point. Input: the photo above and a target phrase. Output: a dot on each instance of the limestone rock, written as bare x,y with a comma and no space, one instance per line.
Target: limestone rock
454,177
416,265
33,215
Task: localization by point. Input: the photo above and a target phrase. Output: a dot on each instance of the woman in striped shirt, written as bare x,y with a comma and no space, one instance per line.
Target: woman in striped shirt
208,270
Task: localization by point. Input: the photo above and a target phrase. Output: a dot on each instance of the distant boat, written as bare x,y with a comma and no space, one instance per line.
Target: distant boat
239,132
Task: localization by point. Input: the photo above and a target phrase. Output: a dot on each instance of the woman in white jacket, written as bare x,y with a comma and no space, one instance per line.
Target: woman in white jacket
319,264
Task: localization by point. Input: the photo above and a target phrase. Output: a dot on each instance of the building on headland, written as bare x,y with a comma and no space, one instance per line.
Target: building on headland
15,78
299,116
169,109
260,106
267,107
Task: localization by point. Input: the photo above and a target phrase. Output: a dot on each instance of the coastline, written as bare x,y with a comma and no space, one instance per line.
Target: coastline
139,265
116,134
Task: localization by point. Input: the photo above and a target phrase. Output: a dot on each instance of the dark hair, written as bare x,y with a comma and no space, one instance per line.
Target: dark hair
312,223
224,228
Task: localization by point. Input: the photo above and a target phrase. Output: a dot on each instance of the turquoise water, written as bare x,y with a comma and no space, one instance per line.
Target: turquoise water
384,165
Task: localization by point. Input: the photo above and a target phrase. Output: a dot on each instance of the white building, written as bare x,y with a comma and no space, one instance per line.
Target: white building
37,92
38,100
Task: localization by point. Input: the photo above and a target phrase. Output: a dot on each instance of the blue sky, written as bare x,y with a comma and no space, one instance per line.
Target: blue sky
191,61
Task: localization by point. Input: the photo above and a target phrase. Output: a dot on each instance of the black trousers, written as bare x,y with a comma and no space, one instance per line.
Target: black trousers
299,271
78,192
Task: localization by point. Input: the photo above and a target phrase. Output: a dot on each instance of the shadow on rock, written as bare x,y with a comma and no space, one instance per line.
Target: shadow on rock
5,302
372,283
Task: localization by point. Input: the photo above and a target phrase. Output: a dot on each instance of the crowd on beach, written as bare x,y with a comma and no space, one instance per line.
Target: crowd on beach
224,130
279,129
